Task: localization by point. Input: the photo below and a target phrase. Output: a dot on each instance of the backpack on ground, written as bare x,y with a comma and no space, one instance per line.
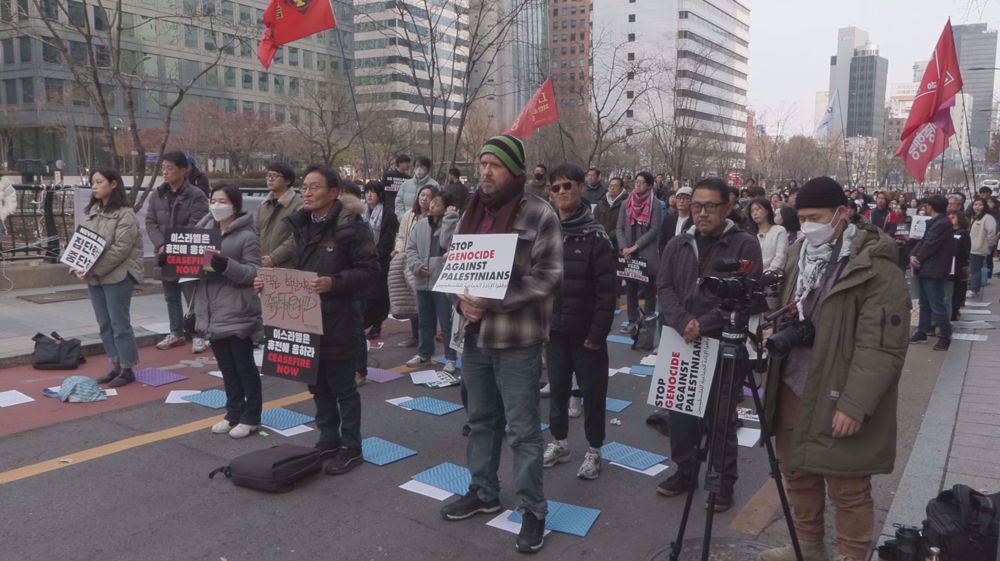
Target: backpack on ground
275,469
646,332
55,353
964,524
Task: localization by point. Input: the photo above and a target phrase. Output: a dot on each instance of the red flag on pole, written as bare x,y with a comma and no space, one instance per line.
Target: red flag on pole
929,125
290,20
539,112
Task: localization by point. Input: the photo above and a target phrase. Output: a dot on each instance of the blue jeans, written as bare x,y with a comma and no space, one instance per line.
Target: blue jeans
434,308
935,304
977,265
172,291
113,309
503,384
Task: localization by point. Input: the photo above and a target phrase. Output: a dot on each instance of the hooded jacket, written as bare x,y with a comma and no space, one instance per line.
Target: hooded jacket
189,206
122,255
340,247
862,333
408,191
225,303
593,193
607,214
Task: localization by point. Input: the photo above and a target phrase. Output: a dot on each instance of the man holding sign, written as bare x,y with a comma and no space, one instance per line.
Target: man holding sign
694,314
502,355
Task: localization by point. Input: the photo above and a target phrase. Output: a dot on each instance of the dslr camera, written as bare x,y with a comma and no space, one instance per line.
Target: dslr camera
798,333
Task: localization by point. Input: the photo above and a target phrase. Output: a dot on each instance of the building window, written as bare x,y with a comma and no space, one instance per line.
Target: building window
628,131
293,56
629,113
307,60
7,46
190,36
293,86
208,7
279,84
246,15
262,81
209,40
227,11
77,14
229,77
629,94
54,91
50,53
630,75
631,18
247,79
264,109
248,107
279,113
10,91
631,56
631,37
27,90
100,19
50,9
229,105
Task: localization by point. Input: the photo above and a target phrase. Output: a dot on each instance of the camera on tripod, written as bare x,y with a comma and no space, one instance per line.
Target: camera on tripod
740,292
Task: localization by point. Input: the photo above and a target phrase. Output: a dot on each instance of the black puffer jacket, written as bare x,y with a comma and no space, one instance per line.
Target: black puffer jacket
936,250
341,248
585,301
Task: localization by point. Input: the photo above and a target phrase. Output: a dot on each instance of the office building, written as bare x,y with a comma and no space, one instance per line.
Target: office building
849,39
866,92
570,41
977,58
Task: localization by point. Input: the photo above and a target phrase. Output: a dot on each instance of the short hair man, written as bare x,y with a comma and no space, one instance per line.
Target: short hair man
931,261
594,188
277,246
408,191
609,207
832,400
394,178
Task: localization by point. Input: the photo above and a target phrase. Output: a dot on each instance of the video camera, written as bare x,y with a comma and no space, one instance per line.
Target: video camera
739,292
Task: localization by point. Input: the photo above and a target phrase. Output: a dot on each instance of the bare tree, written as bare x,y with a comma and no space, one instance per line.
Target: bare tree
326,122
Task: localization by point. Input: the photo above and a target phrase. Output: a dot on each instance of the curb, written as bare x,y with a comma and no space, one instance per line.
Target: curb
90,345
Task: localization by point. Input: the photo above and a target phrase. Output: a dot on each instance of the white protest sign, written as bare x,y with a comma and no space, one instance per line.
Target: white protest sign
479,263
682,377
918,226
83,249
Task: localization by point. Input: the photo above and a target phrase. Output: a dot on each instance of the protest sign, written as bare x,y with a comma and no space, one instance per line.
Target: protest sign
682,378
633,269
478,263
185,251
457,338
918,226
291,355
288,302
83,250
394,183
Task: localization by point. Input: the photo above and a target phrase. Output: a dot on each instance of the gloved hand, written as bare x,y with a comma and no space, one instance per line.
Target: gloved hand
219,263
161,259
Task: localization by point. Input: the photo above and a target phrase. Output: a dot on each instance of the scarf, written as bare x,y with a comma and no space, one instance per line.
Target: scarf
612,201
813,262
639,208
491,214
582,222
373,216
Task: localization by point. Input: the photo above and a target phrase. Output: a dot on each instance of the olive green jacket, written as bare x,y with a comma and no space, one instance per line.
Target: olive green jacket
862,333
123,253
275,236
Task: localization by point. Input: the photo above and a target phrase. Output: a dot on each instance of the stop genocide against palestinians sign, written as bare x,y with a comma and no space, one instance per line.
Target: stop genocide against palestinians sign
682,378
478,263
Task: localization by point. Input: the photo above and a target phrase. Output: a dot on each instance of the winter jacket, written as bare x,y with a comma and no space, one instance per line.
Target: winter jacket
862,333
677,291
275,237
936,250
427,247
538,187
189,207
585,301
668,228
459,194
607,214
197,178
645,237
225,303
773,247
122,255
408,192
386,241
591,193
983,234
960,267
340,247
883,218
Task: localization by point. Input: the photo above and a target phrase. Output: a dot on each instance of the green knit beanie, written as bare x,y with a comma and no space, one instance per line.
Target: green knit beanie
509,150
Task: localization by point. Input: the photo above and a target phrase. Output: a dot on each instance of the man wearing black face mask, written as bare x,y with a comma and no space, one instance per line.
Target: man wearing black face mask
537,185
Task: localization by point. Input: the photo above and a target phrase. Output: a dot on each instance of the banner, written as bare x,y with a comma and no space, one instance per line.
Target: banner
682,377
291,355
287,300
83,249
479,263
540,111
633,269
185,250
918,226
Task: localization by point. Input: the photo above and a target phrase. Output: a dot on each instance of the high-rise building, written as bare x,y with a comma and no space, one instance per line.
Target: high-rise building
866,92
570,41
849,39
919,68
977,58
163,44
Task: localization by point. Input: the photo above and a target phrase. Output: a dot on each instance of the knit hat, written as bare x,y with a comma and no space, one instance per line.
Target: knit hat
820,192
509,150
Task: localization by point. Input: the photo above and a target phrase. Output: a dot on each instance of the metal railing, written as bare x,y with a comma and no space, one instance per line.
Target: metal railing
41,225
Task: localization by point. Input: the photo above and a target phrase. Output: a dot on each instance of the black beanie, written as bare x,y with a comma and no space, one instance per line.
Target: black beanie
820,192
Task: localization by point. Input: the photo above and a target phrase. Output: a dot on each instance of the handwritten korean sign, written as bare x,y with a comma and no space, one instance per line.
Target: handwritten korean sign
288,302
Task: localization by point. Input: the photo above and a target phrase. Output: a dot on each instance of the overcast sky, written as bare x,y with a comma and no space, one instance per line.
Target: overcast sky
792,41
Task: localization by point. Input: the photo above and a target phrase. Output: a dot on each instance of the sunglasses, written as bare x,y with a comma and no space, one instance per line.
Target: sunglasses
564,186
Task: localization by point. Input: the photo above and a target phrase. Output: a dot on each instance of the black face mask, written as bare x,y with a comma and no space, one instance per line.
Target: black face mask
539,176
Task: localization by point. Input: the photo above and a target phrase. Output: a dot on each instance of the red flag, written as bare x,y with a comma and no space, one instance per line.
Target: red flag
290,20
539,112
929,125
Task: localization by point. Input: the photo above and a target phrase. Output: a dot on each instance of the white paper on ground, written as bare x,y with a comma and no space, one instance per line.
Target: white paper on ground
655,470
978,304
13,397
175,396
748,437
396,401
975,312
612,372
54,389
159,328
648,360
110,392
424,377
426,490
297,429
502,522
969,337
215,373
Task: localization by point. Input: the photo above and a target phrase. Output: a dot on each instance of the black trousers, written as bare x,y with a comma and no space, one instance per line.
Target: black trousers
241,379
686,430
566,355
634,290
958,298
338,403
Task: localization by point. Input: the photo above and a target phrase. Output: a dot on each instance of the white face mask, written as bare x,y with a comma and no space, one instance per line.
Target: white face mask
818,234
220,211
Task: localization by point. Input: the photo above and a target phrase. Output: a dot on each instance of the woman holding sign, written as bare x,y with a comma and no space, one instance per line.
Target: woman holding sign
227,310
115,272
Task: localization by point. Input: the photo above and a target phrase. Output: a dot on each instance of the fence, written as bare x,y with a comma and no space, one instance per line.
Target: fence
41,224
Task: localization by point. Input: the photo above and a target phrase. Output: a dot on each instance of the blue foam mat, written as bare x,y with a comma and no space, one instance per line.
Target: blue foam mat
544,427
630,456
447,476
566,518
283,419
620,339
213,399
641,370
381,452
441,360
430,405
616,405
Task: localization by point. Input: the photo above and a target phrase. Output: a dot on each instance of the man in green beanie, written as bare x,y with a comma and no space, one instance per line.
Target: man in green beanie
502,358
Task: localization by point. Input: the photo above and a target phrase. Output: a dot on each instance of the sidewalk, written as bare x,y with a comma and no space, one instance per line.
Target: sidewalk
959,438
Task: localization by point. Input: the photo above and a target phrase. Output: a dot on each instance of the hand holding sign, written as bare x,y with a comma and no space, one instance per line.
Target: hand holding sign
288,299
478,265
83,250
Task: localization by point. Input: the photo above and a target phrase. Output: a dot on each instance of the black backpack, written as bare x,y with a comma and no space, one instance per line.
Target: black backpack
56,353
645,332
275,469
964,524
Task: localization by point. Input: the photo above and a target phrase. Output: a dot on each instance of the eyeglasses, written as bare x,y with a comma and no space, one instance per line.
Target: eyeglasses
273,176
312,188
697,208
564,186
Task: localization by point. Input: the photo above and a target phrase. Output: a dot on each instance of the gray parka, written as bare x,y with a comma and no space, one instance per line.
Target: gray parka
225,304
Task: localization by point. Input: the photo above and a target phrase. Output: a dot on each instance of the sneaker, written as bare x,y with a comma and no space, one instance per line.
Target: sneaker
344,461
811,551
222,427
360,379
449,366
199,345
468,506
942,344
556,452
918,338
169,342
407,343
722,503
242,431
575,406
126,377
416,361
546,390
532,535
109,376
591,466
327,450
675,485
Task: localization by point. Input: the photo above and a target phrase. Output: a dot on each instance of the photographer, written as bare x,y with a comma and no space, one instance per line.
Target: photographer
688,310
832,400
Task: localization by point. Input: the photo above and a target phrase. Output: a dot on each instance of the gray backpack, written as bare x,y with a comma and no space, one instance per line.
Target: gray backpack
275,469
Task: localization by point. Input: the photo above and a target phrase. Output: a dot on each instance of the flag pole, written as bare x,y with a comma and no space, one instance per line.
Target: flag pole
354,100
843,131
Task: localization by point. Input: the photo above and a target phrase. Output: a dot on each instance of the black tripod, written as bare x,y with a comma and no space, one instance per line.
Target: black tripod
734,337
